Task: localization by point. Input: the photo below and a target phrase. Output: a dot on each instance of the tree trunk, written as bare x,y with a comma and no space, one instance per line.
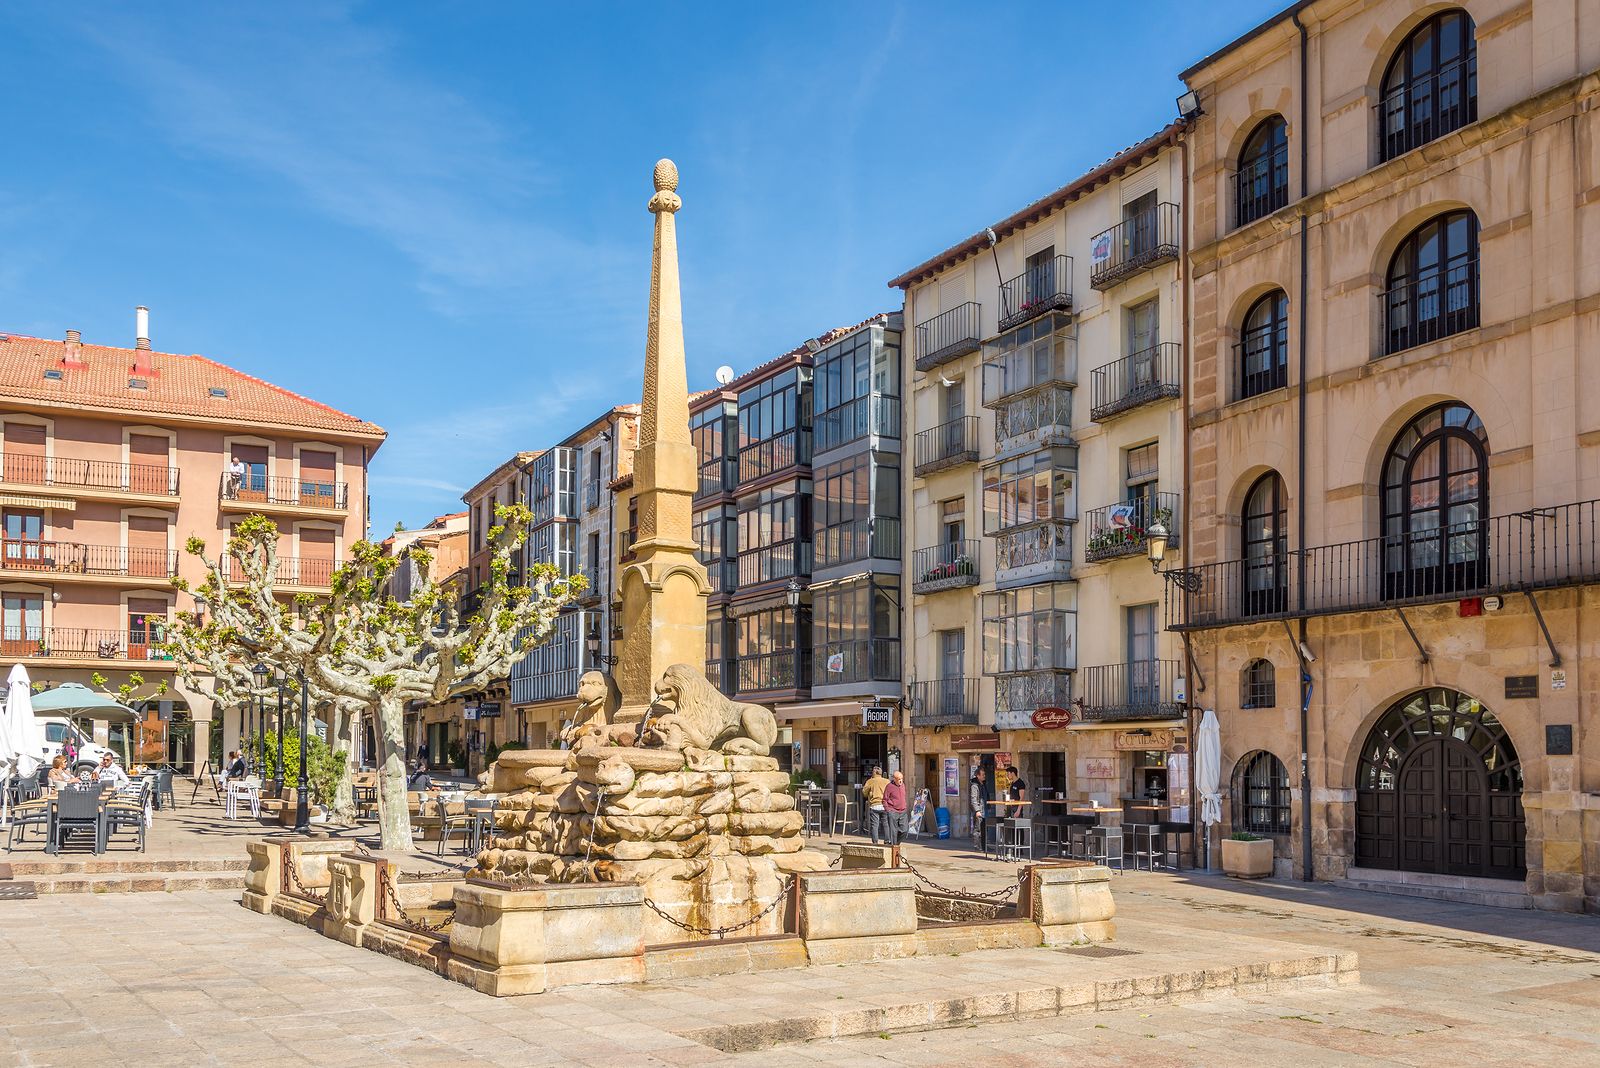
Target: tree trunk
394,814
344,797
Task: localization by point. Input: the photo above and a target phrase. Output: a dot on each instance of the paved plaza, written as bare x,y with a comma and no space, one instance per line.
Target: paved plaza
192,977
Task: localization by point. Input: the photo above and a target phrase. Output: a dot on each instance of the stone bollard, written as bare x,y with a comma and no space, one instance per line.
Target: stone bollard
1071,902
848,916
264,879
352,901
853,856
514,940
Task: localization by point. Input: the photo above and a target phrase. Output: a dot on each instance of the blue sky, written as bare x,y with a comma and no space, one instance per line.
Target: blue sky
432,215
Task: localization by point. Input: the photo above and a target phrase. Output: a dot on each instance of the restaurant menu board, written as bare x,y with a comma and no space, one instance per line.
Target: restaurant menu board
952,776
1002,781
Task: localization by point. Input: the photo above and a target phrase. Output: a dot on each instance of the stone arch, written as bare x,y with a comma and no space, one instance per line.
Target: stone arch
1411,219
1245,299
1383,51
1247,128
1279,804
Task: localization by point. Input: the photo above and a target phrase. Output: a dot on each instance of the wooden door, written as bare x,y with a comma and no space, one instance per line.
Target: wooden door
146,623
1464,811
1420,793
24,454
317,488
24,548
254,458
147,546
149,464
22,625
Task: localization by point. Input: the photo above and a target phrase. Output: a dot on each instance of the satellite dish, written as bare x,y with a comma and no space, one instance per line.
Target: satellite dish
724,374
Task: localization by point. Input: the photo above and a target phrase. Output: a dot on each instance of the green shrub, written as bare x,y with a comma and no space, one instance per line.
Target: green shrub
322,771
1246,836
458,755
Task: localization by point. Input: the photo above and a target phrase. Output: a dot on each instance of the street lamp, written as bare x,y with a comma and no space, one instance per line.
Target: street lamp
302,809
592,642
281,765
253,762
1156,537
792,593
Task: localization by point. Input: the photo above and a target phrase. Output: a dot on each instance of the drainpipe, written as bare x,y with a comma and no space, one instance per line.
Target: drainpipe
1307,867
1185,384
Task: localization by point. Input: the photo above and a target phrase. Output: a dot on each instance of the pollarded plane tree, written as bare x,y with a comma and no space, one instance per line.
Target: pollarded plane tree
361,644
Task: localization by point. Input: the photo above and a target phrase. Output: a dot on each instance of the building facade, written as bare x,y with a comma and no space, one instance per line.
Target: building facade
1395,449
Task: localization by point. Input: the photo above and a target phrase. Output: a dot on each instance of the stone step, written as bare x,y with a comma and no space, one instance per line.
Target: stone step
1500,899
151,882
85,865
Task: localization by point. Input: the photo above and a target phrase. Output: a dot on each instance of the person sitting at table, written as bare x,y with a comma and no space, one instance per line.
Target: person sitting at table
109,772
236,768
60,775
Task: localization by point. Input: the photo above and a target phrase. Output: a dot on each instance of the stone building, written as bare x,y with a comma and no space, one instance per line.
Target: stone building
1395,449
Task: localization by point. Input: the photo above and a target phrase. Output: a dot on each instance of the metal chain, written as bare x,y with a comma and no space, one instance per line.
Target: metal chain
294,877
727,929
404,918
986,895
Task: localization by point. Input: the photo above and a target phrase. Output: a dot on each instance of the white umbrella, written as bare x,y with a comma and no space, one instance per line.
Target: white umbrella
21,747
1208,773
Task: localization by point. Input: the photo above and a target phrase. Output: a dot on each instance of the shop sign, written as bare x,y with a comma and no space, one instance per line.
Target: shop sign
1051,718
469,712
489,710
1142,741
975,741
877,716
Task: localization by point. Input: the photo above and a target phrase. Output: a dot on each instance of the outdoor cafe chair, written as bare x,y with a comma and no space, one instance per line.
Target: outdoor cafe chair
250,790
34,813
130,814
164,795
450,822
481,809
844,807
77,809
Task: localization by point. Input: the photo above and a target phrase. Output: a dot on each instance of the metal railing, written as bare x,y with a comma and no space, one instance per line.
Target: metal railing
1047,542
1429,107
1136,380
949,444
1136,244
313,571
945,567
1026,691
715,672
1538,548
858,660
716,477
75,558
593,494
786,559
788,669
1261,360
1436,305
1261,186
1045,414
877,538
777,453
949,335
1044,287
951,702
256,488
875,413
723,575
1145,689
81,643
89,474
1118,529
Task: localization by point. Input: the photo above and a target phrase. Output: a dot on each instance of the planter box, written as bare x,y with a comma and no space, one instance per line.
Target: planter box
1247,860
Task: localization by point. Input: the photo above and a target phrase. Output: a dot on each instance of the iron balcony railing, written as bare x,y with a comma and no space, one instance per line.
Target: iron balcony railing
1137,243
949,702
257,488
877,538
79,643
313,571
1144,689
1436,305
874,414
716,477
89,474
1118,529
788,669
1539,548
1261,361
1428,107
777,453
1261,187
949,335
593,493
1041,288
945,567
949,444
723,575
1017,695
1040,543
75,558
857,660
786,559
1134,381
716,673
1043,417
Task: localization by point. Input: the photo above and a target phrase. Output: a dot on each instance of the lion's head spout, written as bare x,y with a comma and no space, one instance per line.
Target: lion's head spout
681,685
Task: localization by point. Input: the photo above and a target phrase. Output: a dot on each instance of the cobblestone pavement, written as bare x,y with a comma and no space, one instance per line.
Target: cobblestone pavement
155,979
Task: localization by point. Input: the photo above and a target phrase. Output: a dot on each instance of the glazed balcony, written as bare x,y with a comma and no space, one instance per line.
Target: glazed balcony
79,643
75,561
1118,529
1038,552
1042,418
947,445
776,454
874,415
716,673
717,477
786,559
1017,695
857,661
1145,377
254,492
101,479
723,575
877,538
1045,287
949,336
949,702
945,567
1142,690
314,573
788,669
1138,243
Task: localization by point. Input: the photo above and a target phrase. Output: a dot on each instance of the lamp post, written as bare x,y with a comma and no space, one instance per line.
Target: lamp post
592,642
279,679
302,810
252,761
1156,537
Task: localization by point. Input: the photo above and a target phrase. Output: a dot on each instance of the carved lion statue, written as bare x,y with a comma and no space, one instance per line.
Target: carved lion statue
699,716
598,701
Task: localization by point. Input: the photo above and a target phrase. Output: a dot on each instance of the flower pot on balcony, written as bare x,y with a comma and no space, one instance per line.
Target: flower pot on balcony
1247,856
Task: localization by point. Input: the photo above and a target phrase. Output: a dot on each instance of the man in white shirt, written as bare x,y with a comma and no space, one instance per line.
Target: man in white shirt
236,473
110,772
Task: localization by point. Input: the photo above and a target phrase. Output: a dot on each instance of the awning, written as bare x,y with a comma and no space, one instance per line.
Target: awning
823,710
17,500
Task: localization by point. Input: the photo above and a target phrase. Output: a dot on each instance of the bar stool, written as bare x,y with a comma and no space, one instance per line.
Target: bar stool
1105,846
844,808
811,807
1143,841
1019,835
1170,830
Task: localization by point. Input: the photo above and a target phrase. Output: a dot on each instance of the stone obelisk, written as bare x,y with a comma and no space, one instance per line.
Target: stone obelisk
664,588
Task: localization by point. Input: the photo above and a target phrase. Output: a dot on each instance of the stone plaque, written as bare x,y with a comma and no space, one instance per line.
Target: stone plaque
1558,739
1518,686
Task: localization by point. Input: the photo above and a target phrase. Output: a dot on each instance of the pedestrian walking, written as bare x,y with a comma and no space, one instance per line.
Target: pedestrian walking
894,808
872,801
978,793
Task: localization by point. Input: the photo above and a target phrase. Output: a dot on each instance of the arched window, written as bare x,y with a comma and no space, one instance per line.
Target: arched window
1262,354
1266,547
1436,505
1431,86
1258,686
1261,795
1433,282
1261,184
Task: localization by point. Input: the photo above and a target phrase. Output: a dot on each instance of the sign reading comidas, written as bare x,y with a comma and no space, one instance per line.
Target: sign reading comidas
1051,718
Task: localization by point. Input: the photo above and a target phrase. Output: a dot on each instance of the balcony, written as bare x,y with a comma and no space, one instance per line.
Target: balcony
1541,548
301,571
78,643
1122,385
877,538
1018,695
947,445
788,669
777,453
949,336
857,661
874,415
716,477
593,494
1141,690
945,567
1035,553
715,672
1118,529
1137,243
1039,419
1436,305
95,478
1044,287
787,559
295,494
949,702
723,575
72,560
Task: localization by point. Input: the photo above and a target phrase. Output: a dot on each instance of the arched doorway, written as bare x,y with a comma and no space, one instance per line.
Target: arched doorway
1439,789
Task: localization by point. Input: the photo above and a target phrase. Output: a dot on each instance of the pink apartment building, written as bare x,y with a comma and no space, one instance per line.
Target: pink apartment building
110,459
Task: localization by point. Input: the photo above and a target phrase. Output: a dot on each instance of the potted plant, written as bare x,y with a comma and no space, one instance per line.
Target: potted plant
458,756
1247,856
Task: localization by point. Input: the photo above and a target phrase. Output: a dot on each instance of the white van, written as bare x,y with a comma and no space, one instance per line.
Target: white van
57,729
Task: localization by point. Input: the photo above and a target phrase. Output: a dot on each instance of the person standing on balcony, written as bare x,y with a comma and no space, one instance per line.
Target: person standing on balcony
236,473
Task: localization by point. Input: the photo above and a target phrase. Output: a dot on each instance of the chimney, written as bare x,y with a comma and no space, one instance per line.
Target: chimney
74,337
141,338
73,356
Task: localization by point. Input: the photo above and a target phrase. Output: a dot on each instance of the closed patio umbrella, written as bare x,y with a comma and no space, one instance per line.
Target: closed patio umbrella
21,745
1208,773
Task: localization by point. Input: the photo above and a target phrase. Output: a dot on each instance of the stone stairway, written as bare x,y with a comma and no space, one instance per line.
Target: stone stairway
103,875
1496,893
